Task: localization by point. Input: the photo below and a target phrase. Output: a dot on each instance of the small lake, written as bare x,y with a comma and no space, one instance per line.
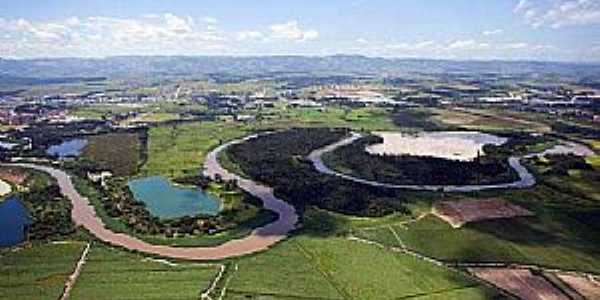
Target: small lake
456,145
14,218
71,147
168,201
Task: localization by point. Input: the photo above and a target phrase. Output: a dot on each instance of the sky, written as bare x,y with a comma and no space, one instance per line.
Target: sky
546,30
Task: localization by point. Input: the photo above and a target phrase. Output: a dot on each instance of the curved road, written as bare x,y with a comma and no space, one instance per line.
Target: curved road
526,179
262,238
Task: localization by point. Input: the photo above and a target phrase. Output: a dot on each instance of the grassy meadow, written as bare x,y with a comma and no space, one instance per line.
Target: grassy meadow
37,272
178,150
111,273
337,268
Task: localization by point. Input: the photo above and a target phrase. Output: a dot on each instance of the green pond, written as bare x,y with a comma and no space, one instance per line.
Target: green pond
168,201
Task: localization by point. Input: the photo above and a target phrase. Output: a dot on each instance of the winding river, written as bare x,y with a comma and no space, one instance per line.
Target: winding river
260,239
84,214
526,179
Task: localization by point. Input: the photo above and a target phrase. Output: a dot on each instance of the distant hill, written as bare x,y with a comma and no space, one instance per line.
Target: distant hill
125,66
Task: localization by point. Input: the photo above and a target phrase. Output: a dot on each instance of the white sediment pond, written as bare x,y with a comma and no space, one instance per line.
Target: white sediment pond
456,145
569,148
526,179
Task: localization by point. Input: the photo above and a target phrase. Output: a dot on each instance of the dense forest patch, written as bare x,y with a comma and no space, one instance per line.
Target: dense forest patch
419,119
279,160
118,152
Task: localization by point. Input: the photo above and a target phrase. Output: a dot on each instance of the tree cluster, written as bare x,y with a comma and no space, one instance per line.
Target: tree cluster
279,160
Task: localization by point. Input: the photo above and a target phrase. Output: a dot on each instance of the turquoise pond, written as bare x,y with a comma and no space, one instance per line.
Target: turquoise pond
168,201
14,219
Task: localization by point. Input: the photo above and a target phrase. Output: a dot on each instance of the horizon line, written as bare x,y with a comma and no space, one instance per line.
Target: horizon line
404,58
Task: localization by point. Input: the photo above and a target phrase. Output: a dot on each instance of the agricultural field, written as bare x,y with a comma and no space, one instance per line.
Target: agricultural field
358,119
486,120
337,268
119,152
37,271
102,111
111,273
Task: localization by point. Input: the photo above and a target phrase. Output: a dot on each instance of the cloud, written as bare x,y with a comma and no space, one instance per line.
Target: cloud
468,45
559,13
462,49
292,31
412,47
210,20
250,35
149,34
492,32
102,36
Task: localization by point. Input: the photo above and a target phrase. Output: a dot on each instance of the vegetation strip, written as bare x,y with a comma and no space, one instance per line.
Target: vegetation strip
260,239
526,179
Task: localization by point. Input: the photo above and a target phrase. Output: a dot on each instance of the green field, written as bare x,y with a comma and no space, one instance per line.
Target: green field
521,240
336,268
357,119
39,272
115,274
178,150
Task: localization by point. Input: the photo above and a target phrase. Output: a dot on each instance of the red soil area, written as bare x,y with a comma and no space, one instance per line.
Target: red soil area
13,176
459,213
520,282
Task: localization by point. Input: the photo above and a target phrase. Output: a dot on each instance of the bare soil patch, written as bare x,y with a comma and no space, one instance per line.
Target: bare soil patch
520,282
459,213
13,176
586,286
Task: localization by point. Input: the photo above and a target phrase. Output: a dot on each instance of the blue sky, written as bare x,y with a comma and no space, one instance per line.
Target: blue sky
451,29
